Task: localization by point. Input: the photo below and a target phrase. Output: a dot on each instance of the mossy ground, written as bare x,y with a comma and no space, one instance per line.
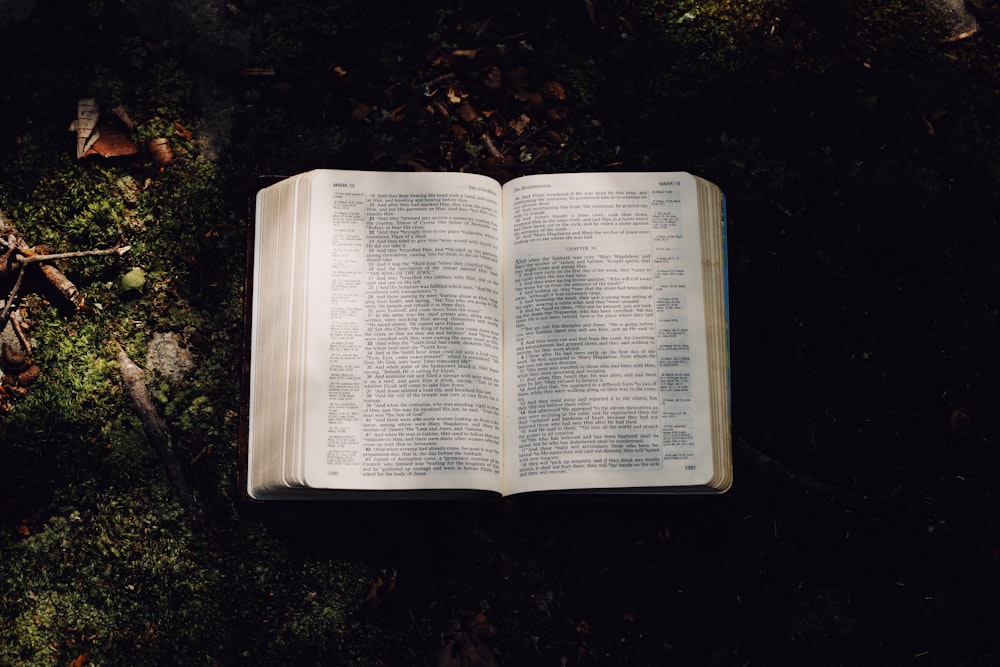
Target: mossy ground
859,153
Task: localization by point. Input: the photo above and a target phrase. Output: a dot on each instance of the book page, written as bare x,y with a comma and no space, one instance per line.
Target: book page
605,355
402,385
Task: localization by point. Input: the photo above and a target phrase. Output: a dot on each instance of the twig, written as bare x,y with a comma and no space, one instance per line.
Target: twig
54,275
11,297
156,430
32,258
15,323
524,139
490,146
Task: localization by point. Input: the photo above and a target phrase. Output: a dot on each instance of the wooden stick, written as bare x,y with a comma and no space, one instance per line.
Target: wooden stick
52,274
38,257
156,431
11,297
15,323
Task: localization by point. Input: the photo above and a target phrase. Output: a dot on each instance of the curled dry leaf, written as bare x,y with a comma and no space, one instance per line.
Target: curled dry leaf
467,112
123,116
14,361
554,90
493,79
456,94
360,111
28,376
183,132
161,151
557,114
520,124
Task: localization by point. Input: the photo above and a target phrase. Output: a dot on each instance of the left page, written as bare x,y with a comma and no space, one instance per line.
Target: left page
393,357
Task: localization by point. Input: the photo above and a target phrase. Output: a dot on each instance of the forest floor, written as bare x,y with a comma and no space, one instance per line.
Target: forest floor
860,154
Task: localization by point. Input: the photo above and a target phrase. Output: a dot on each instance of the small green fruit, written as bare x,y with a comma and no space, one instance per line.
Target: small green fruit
133,280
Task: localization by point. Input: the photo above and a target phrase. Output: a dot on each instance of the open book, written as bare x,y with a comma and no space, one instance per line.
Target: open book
441,333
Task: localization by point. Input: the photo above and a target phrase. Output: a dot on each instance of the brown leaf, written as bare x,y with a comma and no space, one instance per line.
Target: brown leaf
481,626
437,106
160,151
113,141
493,78
29,375
360,111
14,360
554,90
532,97
430,87
467,112
456,94
183,132
520,124
397,114
557,113
123,116
491,147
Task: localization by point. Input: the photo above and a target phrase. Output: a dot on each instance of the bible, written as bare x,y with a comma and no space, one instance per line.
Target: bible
441,334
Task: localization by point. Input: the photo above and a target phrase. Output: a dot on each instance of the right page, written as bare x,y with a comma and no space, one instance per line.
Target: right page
606,370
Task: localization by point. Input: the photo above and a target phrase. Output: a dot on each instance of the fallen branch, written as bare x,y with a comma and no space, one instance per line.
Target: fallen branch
18,327
156,431
19,255
37,257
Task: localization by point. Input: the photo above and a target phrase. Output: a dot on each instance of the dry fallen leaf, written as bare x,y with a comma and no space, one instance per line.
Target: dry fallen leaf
467,112
493,78
112,140
554,90
456,94
520,124
360,111
183,132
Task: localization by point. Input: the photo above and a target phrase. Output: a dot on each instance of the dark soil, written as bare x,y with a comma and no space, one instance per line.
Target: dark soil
860,153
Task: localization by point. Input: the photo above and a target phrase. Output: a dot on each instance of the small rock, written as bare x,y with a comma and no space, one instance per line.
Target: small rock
166,355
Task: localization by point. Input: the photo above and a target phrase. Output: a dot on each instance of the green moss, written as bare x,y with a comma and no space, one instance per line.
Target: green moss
814,116
115,575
